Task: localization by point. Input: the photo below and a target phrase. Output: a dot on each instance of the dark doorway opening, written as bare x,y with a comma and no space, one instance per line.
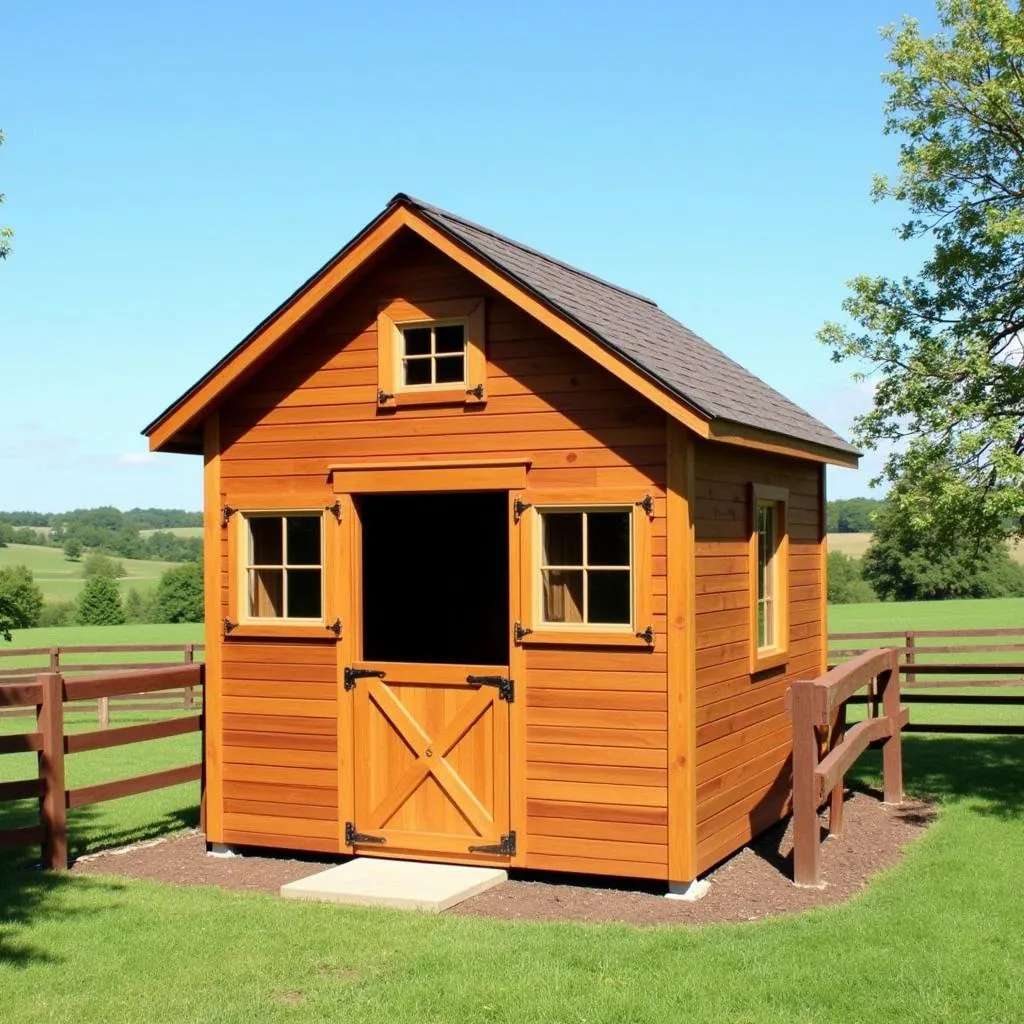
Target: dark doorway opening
435,578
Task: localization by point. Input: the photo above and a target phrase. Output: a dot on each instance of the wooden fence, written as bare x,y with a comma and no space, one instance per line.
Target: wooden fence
818,710
934,659
47,694
68,660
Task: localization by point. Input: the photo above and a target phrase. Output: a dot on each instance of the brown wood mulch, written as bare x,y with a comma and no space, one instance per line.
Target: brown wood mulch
753,884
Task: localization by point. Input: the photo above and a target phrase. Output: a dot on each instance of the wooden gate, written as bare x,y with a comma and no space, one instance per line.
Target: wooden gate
431,766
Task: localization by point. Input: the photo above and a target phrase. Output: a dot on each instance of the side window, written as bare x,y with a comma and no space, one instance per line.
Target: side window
769,570
283,566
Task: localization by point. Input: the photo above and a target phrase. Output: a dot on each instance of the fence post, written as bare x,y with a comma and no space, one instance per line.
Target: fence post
187,697
911,657
892,747
806,836
52,804
54,659
835,810
103,711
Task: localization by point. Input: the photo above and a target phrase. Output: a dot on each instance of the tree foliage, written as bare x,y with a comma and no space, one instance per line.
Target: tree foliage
99,565
99,603
908,563
851,515
846,585
946,345
72,549
21,600
179,594
5,233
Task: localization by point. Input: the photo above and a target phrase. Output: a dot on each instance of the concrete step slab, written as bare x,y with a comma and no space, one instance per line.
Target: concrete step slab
403,884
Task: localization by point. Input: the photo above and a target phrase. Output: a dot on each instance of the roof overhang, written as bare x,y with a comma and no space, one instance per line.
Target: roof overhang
179,427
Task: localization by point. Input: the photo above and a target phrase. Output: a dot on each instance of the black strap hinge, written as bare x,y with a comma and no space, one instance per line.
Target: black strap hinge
647,504
352,836
383,397
334,627
225,514
228,625
506,687
506,847
352,674
647,636
334,509
519,631
477,392
518,508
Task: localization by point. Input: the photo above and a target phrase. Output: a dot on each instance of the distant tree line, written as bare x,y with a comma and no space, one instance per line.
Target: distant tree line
107,530
178,597
852,515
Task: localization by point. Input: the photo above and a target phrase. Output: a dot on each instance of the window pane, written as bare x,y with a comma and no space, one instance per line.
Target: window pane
304,594
563,538
303,540
451,370
762,629
608,596
266,592
265,532
417,341
608,538
449,339
417,371
563,595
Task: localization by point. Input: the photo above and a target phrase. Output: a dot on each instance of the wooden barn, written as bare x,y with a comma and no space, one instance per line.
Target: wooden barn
503,565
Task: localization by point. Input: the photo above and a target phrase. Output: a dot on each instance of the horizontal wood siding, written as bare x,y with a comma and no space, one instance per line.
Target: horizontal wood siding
595,757
743,730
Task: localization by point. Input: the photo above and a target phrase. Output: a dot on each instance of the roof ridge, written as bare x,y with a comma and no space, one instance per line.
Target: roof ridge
430,208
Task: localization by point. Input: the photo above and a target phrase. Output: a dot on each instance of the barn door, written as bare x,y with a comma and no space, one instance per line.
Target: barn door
431,762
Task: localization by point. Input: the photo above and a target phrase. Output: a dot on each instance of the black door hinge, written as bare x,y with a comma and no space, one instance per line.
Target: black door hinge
519,631
647,504
228,625
225,514
352,674
334,627
477,392
352,836
518,508
647,635
507,846
506,687
383,397
334,509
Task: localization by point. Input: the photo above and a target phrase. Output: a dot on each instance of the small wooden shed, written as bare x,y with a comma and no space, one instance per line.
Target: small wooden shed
503,565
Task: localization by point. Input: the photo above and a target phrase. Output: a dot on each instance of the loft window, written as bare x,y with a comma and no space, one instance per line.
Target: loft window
769,571
433,354
284,567
586,566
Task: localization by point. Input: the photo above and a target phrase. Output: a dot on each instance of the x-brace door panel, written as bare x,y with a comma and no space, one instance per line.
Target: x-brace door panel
431,758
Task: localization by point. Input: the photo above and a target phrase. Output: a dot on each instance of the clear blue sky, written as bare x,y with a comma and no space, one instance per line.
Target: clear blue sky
173,171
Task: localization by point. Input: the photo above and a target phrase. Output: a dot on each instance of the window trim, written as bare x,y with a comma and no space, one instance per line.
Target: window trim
776,654
246,625
393,316
531,549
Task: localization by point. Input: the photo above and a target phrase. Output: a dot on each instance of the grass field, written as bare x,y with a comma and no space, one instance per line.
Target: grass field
61,580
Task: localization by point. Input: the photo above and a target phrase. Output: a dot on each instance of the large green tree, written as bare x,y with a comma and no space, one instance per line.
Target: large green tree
179,594
99,603
5,233
945,345
21,599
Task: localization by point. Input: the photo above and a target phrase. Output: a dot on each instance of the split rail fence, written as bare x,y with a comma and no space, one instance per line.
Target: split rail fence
47,695
824,750
78,660
948,660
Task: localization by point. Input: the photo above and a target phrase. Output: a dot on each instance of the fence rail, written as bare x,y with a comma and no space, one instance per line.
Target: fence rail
818,710
47,696
941,671
53,659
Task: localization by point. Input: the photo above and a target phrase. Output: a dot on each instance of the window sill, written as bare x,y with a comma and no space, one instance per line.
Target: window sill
446,396
580,638
762,662
289,630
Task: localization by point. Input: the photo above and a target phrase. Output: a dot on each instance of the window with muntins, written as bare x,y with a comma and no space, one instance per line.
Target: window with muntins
767,584
433,354
586,566
769,574
284,567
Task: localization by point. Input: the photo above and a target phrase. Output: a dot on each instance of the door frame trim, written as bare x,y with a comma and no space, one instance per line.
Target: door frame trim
455,475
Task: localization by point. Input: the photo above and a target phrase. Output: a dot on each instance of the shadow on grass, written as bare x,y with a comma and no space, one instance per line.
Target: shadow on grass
988,770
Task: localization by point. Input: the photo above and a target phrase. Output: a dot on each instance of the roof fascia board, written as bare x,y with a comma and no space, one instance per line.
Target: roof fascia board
743,436
557,322
265,337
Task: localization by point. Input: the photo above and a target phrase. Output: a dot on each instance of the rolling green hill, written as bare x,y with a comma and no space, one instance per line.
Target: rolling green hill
61,580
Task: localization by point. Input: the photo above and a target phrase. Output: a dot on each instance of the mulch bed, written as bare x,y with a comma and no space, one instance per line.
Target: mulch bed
753,884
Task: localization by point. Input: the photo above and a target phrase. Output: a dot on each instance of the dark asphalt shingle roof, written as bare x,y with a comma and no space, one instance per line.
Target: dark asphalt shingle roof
635,328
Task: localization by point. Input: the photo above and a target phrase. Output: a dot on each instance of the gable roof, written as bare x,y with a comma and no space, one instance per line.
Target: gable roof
713,388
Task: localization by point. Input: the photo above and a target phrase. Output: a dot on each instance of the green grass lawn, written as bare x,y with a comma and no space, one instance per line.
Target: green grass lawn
61,580
936,939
